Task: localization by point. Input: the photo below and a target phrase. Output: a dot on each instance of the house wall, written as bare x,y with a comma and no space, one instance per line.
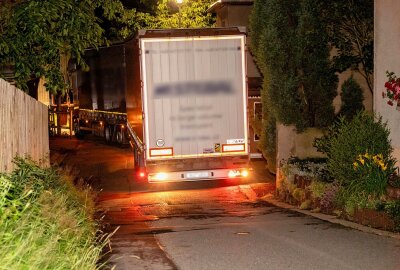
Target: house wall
387,58
292,144
234,15
43,94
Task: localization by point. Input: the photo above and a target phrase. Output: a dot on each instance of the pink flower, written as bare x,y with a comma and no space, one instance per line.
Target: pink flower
390,103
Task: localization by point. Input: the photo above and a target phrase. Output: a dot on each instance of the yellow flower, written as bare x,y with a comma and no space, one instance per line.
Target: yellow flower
366,155
382,165
380,156
355,165
362,161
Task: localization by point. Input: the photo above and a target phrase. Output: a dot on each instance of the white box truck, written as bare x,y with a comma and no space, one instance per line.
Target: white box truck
187,104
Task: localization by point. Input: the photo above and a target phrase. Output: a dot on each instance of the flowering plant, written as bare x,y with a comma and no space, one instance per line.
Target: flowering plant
373,172
392,89
370,160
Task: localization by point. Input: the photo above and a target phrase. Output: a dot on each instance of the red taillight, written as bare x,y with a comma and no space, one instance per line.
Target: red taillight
141,174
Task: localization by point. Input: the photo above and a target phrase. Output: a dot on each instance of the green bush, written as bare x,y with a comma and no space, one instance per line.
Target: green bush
45,221
350,138
352,98
290,45
267,143
314,168
393,209
373,174
317,189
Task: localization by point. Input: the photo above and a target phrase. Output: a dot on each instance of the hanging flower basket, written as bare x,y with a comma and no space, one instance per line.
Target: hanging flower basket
392,91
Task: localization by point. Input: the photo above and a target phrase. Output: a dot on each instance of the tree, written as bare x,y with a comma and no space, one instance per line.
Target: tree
36,35
191,14
291,47
352,98
350,25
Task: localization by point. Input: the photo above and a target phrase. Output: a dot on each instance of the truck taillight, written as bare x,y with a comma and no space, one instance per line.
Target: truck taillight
141,173
244,173
160,152
233,147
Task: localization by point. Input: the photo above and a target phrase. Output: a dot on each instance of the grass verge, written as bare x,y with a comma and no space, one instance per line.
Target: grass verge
46,222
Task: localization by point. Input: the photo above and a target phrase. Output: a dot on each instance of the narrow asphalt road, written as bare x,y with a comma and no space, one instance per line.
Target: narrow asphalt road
212,225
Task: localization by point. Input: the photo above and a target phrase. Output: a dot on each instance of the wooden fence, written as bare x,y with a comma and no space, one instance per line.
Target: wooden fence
23,127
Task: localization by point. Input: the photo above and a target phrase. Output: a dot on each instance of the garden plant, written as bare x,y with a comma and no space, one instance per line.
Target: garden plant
356,174
46,222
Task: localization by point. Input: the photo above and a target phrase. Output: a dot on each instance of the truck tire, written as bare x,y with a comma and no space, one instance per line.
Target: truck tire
108,134
120,136
78,133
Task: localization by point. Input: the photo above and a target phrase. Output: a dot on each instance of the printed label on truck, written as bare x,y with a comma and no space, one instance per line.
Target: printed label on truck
208,150
217,147
234,141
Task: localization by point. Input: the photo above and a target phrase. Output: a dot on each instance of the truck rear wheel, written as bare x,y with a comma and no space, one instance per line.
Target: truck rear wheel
78,133
120,136
108,134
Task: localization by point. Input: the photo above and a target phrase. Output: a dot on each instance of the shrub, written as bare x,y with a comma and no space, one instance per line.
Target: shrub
314,168
393,209
350,138
268,142
317,189
352,98
328,199
349,200
373,174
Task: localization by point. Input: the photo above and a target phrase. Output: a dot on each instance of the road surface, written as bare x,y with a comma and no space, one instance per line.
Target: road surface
213,225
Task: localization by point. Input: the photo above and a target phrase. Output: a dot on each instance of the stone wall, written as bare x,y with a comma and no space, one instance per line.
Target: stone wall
293,144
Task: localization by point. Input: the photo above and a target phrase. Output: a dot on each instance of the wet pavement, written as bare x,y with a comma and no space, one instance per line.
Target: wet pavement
212,224
128,207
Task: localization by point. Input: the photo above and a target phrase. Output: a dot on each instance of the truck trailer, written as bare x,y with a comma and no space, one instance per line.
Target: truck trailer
185,104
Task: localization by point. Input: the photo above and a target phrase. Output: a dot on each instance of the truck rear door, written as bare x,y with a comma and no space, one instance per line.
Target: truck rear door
195,97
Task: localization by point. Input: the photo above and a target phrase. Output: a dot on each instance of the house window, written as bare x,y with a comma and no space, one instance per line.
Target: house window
257,117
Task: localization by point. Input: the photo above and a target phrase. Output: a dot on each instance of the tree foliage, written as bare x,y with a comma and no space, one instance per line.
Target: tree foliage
352,98
35,34
290,44
351,30
189,14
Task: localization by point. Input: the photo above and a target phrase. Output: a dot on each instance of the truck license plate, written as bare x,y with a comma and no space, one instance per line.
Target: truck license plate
197,175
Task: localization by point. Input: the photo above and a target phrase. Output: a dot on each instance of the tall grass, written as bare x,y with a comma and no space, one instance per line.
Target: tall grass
46,221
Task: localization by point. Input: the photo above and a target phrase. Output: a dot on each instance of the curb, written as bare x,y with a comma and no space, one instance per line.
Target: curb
332,219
